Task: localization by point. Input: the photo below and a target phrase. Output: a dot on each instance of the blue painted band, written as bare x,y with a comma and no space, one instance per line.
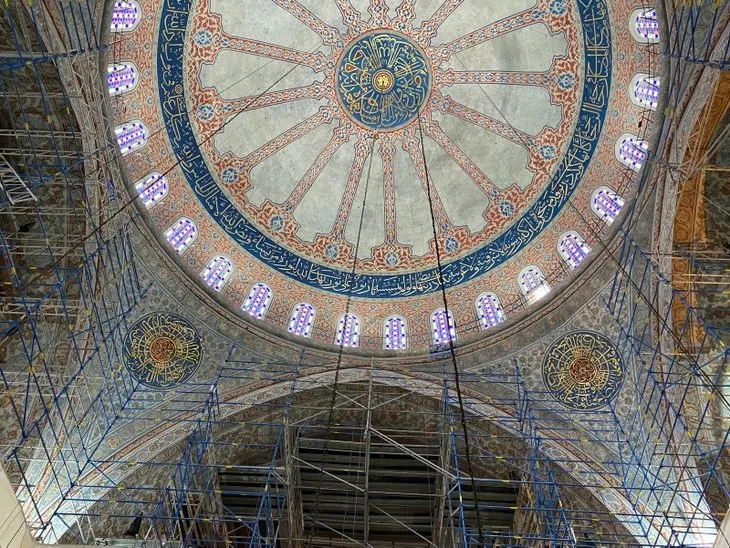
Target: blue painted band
591,117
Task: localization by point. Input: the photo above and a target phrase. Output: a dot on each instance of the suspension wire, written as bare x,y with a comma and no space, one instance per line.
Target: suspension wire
518,133
631,220
245,107
118,155
663,324
340,351
710,385
631,223
452,351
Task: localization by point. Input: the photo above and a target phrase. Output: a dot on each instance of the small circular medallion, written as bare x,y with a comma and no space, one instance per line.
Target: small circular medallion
383,80
276,223
451,244
162,350
332,251
391,259
583,370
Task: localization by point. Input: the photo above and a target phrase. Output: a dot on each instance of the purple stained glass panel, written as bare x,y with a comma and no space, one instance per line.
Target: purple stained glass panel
302,320
258,300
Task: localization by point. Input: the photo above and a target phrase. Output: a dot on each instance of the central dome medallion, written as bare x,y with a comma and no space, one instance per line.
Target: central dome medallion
383,81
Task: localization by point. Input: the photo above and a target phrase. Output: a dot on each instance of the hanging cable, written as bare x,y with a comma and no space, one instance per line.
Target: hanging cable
330,409
125,205
630,222
452,352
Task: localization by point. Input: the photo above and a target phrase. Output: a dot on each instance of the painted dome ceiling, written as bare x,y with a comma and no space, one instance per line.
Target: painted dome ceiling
338,150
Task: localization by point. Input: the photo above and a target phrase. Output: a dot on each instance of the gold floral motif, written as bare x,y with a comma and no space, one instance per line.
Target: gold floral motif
583,370
162,350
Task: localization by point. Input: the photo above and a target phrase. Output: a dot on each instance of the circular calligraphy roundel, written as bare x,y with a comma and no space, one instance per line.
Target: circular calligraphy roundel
583,370
382,81
162,350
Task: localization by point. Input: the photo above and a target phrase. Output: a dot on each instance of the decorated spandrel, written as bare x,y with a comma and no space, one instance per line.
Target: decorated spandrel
583,370
383,81
162,350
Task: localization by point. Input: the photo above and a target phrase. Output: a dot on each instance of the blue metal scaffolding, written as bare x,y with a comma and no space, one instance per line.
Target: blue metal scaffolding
235,467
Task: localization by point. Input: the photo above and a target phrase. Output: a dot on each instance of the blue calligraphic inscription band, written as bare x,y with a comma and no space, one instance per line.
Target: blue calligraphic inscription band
591,117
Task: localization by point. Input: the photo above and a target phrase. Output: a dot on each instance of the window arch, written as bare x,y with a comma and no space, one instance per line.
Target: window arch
181,234
644,91
573,248
644,26
533,283
131,136
152,189
217,272
258,300
396,334
122,77
348,331
606,204
302,320
126,15
443,329
489,310
631,151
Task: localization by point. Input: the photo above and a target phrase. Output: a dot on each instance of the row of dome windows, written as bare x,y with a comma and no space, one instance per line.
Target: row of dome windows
532,282
395,333
127,14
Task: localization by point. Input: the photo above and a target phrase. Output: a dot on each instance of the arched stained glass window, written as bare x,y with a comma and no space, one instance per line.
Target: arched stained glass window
644,25
258,300
126,15
631,151
573,249
533,284
302,320
217,272
606,204
181,234
442,327
131,136
348,331
489,310
396,335
122,77
152,189
644,91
